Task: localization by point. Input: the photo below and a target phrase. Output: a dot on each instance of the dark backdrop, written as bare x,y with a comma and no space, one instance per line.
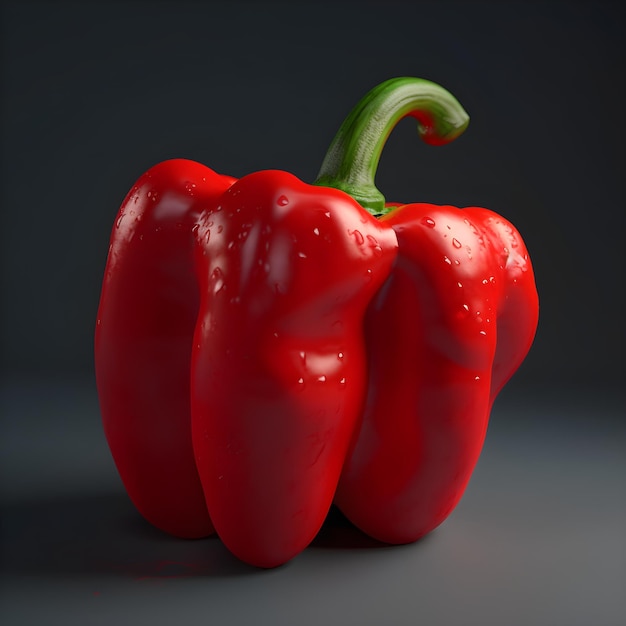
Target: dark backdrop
95,93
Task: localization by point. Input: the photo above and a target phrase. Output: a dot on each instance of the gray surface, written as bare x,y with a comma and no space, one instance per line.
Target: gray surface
538,538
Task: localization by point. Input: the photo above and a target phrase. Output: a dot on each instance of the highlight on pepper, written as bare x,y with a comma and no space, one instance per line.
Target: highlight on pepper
266,348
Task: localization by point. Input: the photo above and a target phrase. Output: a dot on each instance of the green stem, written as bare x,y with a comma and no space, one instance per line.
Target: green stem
352,159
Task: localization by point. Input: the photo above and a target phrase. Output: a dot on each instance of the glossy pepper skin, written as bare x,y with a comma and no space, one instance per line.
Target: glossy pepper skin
146,318
463,304
286,273
329,346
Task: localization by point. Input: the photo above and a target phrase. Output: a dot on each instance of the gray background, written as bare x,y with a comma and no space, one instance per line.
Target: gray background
93,94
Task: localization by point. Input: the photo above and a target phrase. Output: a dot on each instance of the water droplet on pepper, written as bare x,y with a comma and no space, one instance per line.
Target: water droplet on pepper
358,237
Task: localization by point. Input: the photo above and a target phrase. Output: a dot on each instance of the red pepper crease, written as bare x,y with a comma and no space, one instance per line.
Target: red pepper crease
265,347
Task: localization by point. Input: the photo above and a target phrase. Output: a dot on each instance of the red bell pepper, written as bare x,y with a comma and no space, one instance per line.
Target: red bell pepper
344,349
